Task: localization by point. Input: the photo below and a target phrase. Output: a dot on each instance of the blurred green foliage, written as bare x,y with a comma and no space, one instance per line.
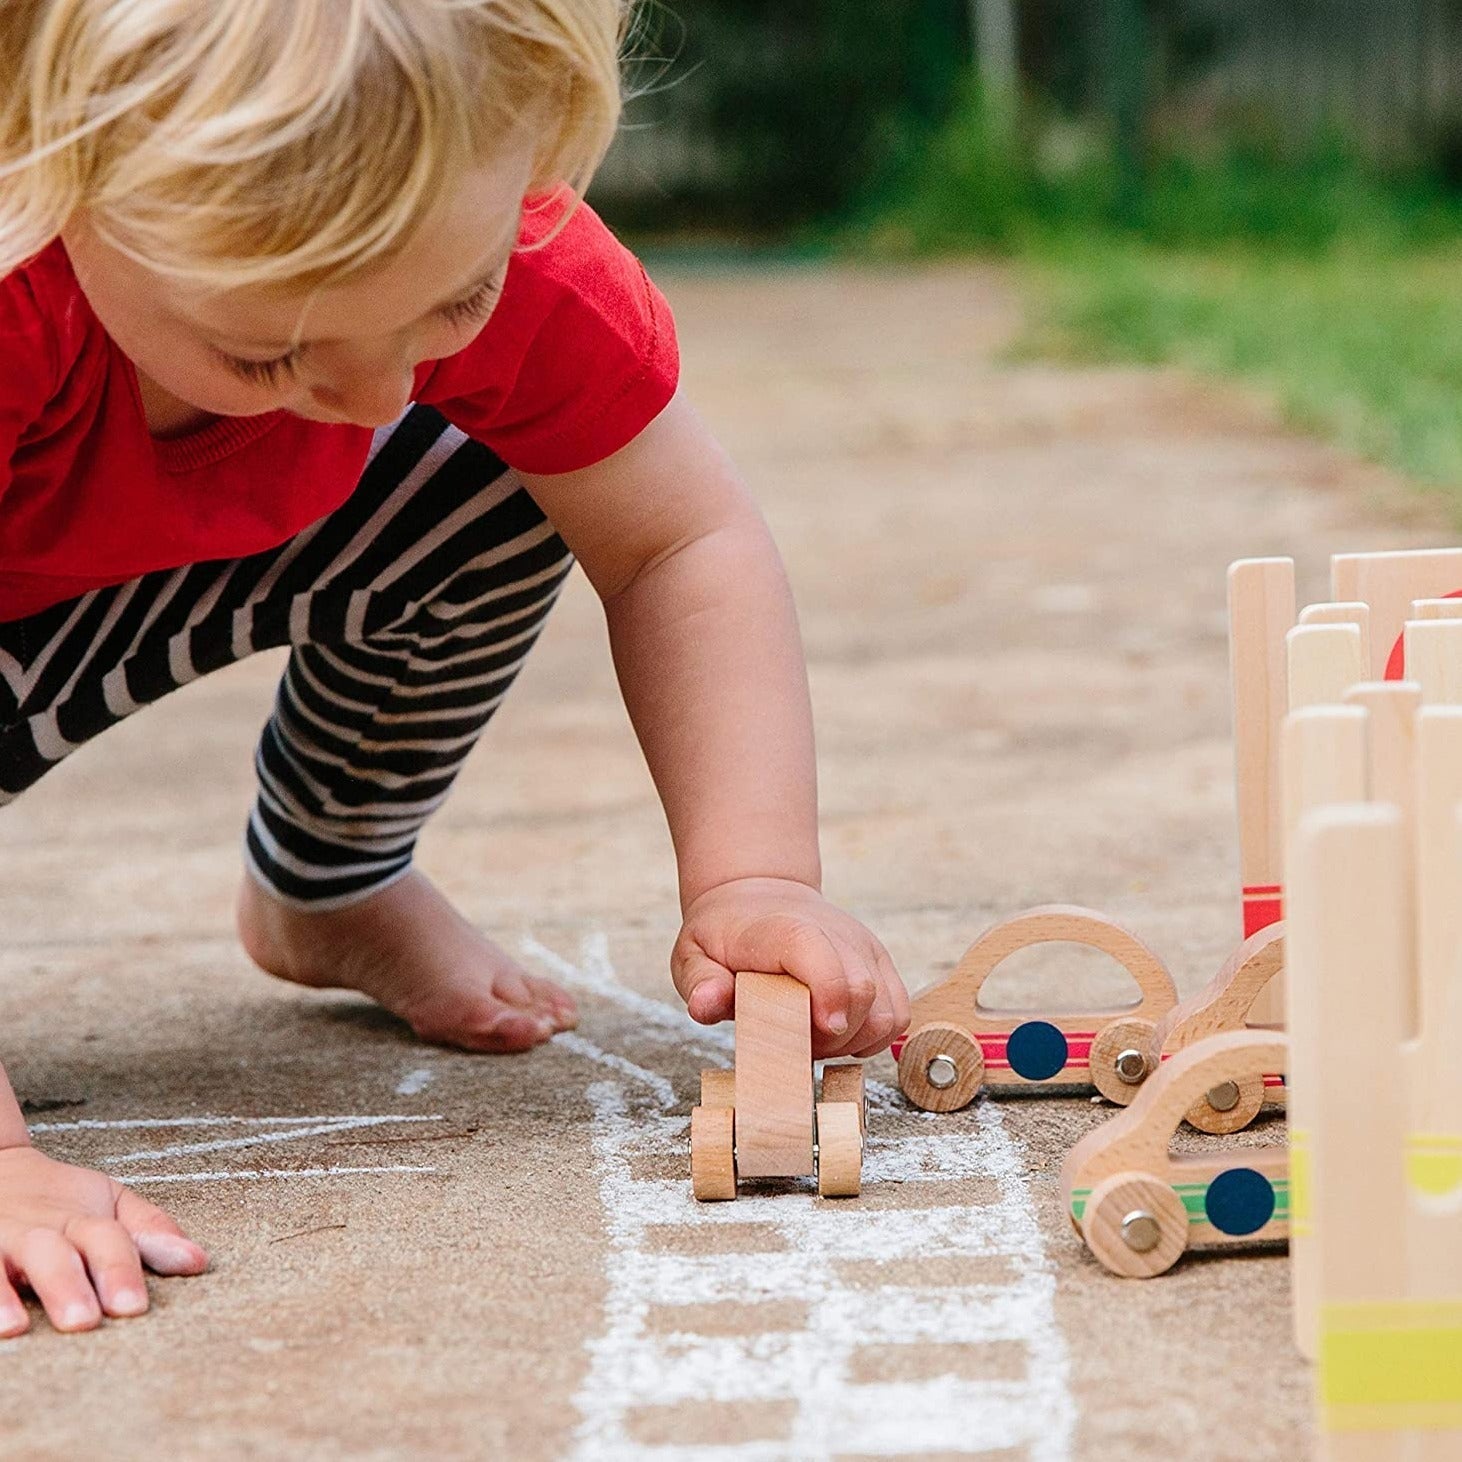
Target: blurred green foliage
979,184
788,108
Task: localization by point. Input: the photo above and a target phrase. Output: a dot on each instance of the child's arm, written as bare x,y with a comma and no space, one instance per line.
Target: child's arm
706,644
75,1238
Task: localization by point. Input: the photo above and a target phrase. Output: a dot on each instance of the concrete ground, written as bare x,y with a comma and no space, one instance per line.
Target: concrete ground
1011,581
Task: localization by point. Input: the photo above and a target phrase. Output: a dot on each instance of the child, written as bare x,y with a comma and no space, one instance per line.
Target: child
286,359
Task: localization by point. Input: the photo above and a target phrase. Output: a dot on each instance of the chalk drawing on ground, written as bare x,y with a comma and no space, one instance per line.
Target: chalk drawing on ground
250,1134
813,1374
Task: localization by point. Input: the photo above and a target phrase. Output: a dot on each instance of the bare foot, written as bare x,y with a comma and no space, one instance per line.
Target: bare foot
411,951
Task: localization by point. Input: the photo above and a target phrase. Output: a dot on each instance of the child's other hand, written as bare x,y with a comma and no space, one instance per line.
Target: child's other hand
778,926
78,1240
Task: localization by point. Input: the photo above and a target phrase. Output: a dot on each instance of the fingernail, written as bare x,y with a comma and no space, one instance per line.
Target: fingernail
837,1023
163,1251
129,1302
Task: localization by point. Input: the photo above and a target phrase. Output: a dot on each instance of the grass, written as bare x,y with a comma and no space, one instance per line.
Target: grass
1362,347
1336,291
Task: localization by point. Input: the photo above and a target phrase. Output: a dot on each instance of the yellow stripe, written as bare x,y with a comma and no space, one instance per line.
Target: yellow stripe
1391,1365
1300,1179
1434,1163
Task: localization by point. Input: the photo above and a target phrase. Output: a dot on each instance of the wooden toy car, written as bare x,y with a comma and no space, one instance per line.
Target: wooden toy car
1227,1004
760,1120
955,1045
1138,1206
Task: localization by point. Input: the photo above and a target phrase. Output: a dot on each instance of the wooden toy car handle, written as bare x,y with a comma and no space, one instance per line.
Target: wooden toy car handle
1070,924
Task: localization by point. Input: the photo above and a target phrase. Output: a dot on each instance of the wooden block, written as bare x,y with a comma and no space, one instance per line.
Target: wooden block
1436,609
1327,613
1389,582
1325,760
718,1087
1352,894
1434,658
774,1118
1391,765
1323,662
1261,606
1437,1072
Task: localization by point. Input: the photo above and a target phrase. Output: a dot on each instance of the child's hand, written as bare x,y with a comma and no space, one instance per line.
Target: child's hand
78,1240
775,925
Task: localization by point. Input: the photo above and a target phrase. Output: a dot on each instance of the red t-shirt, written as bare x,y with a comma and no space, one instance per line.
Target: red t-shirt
576,360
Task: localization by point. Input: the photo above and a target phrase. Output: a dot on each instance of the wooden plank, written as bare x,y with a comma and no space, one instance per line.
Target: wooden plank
1323,662
1434,658
1324,760
774,1115
1351,892
1261,607
1436,609
1330,613
1389,582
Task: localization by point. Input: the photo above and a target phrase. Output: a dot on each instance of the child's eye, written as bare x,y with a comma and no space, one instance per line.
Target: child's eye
475,306
264,372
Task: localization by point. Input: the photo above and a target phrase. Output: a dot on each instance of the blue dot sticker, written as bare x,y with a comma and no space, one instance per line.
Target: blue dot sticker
1239,1201
1036,1050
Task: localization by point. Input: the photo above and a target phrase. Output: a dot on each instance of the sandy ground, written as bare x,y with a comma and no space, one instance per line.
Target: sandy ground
1011,580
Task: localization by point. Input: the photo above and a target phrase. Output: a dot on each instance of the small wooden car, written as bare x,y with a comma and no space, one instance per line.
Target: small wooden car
955,1045
1138,1206
760,1120
1226,1004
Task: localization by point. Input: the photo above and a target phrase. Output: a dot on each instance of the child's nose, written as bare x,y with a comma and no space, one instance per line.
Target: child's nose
367,397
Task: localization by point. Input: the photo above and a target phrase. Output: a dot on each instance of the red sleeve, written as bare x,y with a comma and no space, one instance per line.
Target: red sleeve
576,360
29,360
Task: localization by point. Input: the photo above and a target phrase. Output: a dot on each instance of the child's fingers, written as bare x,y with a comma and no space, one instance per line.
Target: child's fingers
112,1262
164,1247
14,1317
893,984
710,992
55,1273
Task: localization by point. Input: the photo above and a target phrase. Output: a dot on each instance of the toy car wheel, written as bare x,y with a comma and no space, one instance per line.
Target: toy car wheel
1135,1225
941,1067
1227,1107
713,1153
839,1150
1122,1058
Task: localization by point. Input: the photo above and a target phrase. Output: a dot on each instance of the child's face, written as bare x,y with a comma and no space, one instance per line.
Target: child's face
231,354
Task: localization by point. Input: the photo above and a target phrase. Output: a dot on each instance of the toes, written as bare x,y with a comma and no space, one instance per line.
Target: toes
484,1024
555,1002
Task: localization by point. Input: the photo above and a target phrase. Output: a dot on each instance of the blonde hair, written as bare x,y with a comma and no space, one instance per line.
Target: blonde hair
237,142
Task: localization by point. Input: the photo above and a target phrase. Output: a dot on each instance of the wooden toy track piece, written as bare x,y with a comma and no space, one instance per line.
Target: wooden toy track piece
1109,1048
760,1120
1125,1189
1226,1003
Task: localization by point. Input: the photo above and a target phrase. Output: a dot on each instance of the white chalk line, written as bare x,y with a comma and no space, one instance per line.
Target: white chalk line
255,1175
260,1132
325,1128
634,1367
